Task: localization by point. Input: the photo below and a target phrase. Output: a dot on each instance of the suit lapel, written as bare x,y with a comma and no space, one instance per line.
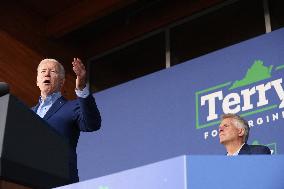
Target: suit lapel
245,149
55,107
35,108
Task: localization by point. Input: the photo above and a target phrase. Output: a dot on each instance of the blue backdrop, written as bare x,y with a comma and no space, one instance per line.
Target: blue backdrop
177,111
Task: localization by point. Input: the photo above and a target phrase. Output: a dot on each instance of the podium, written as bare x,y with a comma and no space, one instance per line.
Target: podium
32,155
197,172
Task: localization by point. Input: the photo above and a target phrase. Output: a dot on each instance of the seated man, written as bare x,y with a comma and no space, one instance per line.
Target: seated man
67,118
234,133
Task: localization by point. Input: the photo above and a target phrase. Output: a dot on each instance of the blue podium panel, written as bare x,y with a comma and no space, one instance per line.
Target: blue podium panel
197,172
238,172
168,174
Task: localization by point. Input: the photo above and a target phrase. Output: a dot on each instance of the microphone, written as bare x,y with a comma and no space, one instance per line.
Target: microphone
4,88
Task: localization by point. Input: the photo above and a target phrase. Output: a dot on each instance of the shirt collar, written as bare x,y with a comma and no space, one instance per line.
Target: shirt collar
50,98
237,152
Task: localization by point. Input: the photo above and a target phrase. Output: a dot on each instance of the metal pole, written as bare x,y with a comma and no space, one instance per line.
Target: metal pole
168,48
267,16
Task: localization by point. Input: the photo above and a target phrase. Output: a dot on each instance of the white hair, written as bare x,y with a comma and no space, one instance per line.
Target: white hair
239,122
61,68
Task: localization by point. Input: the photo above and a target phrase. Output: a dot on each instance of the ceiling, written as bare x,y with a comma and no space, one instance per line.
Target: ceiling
84,22
50,8
65,16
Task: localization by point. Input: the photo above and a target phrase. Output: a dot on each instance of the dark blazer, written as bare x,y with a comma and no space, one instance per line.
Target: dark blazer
68,118
254,149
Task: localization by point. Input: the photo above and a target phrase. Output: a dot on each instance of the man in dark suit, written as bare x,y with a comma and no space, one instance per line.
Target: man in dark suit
234,133
67,118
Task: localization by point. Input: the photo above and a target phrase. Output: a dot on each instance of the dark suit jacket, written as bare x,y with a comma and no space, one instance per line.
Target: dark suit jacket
254,149
68,118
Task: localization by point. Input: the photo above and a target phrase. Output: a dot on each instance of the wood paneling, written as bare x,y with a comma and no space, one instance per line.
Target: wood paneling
18,68
10,185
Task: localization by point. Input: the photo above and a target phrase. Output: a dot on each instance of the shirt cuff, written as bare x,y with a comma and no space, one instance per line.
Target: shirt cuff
84,93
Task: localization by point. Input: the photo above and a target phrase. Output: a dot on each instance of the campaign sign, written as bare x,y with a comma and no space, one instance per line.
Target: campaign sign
177,111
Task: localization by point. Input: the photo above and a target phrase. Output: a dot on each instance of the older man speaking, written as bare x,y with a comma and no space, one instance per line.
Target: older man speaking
67,118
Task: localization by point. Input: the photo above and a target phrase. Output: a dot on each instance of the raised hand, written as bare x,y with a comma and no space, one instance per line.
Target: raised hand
80,71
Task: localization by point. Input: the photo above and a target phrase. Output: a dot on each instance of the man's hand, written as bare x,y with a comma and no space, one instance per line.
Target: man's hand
80,71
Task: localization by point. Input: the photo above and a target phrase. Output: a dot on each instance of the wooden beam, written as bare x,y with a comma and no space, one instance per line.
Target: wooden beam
81,14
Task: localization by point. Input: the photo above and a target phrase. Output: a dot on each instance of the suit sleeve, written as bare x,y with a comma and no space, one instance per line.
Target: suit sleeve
87,114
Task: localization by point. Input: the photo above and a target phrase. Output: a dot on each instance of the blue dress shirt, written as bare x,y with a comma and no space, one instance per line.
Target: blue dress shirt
44,105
